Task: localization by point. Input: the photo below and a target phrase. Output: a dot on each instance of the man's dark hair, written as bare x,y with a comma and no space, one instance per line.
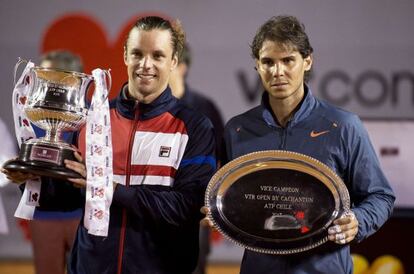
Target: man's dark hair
283,29
286,30
155,22
63,60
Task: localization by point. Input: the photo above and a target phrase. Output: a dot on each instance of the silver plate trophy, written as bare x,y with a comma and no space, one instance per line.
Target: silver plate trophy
276,202
56,102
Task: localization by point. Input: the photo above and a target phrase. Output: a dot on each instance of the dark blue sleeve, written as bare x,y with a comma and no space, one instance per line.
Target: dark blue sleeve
371,194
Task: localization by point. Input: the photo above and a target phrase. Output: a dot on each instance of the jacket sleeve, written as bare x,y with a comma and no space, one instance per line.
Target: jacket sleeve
371,195
180,204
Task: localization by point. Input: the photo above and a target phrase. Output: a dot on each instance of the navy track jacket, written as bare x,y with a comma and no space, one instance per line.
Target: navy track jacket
338,139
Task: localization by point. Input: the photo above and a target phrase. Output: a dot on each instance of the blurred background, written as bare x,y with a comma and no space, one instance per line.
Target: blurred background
363,62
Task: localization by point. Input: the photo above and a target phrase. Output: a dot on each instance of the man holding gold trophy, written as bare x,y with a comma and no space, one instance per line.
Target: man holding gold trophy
148,162
300,172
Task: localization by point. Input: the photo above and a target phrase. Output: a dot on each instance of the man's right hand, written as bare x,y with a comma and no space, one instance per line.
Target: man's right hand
206,220
17,176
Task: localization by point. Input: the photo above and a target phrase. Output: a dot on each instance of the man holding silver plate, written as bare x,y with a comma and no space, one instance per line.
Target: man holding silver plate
300,172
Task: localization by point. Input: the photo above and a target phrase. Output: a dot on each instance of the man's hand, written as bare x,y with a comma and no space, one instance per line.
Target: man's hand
80,168
344,229
17,176
206,220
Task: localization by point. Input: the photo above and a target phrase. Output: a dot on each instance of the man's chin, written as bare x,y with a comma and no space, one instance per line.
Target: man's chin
144,88
278,94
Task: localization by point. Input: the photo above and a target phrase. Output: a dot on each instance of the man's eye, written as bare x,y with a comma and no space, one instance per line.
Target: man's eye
158,56
136,54
267,62
288,60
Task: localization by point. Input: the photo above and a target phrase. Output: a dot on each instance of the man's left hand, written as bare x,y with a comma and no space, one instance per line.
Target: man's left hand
344,229
80,168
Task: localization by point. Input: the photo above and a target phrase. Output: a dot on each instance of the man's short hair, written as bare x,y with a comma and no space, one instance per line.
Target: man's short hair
63,60
284,29
155,22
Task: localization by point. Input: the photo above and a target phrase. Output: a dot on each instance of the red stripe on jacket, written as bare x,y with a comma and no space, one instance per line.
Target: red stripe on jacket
153,170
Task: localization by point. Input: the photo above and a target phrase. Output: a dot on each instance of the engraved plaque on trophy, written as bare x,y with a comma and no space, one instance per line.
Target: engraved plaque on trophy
56,102
276,202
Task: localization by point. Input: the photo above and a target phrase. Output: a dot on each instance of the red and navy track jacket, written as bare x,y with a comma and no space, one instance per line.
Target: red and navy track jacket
163,158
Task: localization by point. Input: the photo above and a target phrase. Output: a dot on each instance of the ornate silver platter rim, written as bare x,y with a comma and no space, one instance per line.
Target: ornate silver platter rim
274,156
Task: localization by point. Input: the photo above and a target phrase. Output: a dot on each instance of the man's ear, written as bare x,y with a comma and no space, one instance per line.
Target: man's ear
308,62
256,64
125,56
174,62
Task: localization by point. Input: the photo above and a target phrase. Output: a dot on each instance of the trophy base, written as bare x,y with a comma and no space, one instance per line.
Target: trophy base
41,170
43,160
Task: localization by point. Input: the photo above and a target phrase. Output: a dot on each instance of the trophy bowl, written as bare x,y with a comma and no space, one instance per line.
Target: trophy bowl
56,102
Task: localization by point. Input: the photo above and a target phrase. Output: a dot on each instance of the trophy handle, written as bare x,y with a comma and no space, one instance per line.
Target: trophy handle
109,79
16,67
109,85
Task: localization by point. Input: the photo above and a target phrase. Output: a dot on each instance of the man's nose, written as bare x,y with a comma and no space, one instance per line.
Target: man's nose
146,62
278,69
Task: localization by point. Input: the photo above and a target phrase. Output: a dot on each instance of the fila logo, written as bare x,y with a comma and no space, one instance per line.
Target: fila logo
315,134
165,151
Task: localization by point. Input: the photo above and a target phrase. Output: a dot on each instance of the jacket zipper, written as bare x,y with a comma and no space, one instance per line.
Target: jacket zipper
127,181
282,133
284,136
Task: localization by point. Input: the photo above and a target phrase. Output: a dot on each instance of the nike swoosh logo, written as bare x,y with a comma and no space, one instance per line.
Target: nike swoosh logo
315,134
